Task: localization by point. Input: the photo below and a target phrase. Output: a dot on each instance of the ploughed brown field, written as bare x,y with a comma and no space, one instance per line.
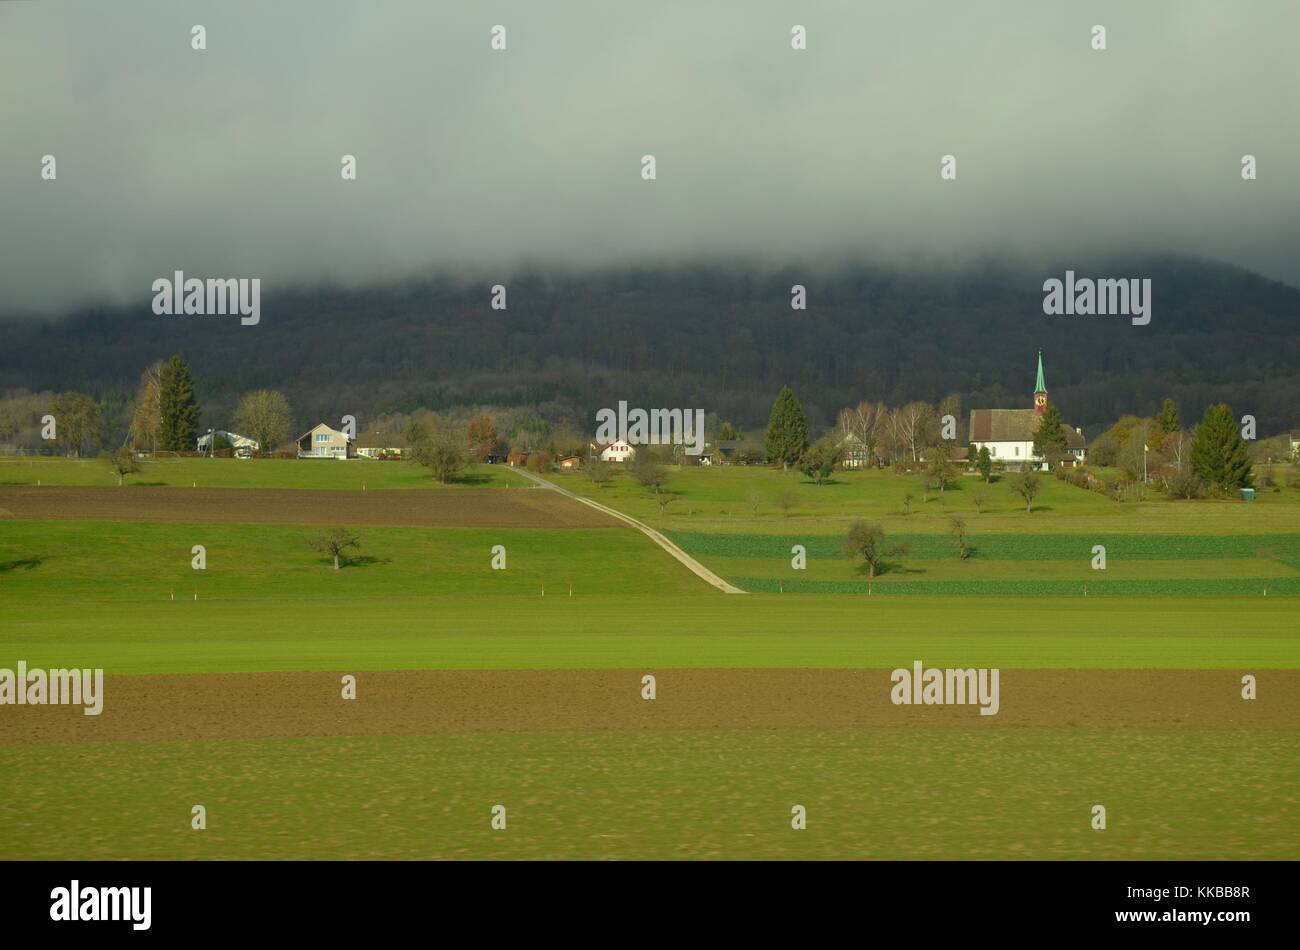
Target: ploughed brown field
463,508
301,705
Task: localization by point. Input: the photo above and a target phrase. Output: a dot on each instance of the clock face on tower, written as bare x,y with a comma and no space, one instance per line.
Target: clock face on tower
1040,399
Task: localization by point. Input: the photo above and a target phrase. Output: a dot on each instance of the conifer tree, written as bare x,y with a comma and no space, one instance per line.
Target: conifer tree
1219,453
1050,441
178,410
787,430
1168,421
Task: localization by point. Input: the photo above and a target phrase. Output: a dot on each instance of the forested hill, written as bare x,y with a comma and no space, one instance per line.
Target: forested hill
724,339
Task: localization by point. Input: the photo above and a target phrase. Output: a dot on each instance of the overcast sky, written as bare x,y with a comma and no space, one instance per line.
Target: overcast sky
226,162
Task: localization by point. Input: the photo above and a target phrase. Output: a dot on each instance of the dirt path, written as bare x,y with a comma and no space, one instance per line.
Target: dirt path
427,702
695,566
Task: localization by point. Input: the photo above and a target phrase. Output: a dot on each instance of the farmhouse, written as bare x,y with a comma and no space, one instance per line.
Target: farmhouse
854,453
619,451
381,443
322,442
1008,434
740,452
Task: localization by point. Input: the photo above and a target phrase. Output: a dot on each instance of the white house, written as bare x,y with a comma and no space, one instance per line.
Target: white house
242,445
322,442
1008,434
619,451
380,443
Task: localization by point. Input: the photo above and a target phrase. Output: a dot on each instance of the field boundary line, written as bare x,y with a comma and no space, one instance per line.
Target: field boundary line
657,537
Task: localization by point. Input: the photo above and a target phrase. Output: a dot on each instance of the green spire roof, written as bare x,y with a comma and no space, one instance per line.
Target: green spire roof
1040,386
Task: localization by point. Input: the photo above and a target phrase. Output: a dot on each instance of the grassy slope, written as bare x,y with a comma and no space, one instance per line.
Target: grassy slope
100,595
1154,547
716,500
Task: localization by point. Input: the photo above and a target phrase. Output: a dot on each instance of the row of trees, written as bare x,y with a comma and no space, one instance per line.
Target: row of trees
912,433
163,417
165,413
1214,455
904,432
585,339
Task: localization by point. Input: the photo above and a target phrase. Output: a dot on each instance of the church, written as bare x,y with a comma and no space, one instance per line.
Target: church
1009,433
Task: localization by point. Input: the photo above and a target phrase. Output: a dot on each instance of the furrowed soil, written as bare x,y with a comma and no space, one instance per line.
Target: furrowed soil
300,705
463,508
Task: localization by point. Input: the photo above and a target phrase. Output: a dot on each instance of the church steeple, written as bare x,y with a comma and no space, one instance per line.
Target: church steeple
1040,389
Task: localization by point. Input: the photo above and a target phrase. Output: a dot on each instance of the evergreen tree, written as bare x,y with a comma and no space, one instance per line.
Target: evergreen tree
1219,453
1050,441
178,410
1168,419
984,463
787,430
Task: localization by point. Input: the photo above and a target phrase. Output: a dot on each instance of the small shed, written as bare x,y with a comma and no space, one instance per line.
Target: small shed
1248,494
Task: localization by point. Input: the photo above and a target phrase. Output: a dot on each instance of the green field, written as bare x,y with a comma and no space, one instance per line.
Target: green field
1183,590
717,500
729,518
1010,564
262,567
125,596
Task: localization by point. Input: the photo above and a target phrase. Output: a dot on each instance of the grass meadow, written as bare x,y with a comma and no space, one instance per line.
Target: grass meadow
747,500
1182,591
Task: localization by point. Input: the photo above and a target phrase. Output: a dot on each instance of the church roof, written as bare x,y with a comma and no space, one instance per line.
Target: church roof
1012,425
1040,386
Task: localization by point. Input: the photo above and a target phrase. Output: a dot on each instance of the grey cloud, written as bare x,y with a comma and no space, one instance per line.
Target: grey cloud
226,162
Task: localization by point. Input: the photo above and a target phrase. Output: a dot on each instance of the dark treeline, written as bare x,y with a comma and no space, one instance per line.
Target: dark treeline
723,339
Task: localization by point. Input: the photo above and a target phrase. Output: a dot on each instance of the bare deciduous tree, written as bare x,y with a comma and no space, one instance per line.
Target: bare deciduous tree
1026,485
122,463
867,541
961,538
336,542
264,416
